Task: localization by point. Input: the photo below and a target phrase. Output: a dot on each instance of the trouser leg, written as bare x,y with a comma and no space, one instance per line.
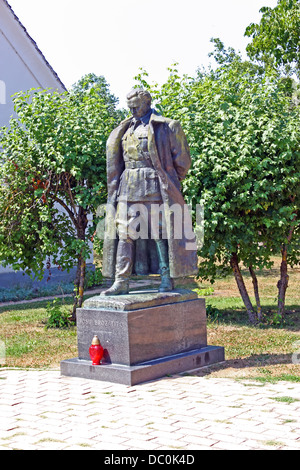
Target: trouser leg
163,257
124,259
123,268
124,255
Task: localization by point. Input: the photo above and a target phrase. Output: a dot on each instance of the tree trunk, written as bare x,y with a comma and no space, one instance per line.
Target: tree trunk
81,265
242,288
81,282
284,278
256,293
283,282
76,291
79,286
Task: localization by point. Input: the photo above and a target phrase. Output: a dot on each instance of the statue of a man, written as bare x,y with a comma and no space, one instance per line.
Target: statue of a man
147,158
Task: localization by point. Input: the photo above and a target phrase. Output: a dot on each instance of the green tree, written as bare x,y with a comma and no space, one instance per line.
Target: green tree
275,44
244,139
53,176
246,172
275,40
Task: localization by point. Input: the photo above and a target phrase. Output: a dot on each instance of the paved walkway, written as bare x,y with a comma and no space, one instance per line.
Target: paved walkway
42,410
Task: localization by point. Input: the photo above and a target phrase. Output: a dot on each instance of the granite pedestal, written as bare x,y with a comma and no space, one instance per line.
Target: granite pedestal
145,335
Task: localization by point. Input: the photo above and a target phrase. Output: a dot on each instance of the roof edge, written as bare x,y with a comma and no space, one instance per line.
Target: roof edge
35,45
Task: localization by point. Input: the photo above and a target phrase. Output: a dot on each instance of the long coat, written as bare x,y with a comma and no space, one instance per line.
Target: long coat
170,156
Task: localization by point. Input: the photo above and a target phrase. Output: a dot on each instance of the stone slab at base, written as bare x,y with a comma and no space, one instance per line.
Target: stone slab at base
145,335
142,326
151,370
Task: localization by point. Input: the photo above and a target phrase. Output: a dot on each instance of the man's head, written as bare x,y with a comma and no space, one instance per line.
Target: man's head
139,102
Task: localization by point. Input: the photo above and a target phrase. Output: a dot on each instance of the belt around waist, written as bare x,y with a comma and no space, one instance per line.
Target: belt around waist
138,164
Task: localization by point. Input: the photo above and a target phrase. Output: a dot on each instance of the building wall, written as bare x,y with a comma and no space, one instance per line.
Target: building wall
22,67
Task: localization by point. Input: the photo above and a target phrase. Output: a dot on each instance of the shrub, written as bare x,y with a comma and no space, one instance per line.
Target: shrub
58,317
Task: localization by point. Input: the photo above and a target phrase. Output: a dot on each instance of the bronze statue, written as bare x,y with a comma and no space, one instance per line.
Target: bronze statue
147,158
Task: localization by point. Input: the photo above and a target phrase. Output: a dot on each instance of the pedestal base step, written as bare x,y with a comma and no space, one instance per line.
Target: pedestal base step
143,372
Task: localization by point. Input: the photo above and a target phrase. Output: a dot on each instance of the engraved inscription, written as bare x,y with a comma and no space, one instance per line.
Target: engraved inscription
110,324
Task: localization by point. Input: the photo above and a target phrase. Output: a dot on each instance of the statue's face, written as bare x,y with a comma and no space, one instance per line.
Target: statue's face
138,107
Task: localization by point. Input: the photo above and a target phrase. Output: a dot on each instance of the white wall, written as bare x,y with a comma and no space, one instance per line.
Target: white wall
21,65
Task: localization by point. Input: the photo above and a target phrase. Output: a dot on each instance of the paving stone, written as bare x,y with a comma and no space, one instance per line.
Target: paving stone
43,410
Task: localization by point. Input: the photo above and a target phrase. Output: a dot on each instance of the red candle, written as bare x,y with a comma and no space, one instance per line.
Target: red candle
96,351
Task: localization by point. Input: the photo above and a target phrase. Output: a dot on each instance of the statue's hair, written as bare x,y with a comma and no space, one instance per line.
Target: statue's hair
143,94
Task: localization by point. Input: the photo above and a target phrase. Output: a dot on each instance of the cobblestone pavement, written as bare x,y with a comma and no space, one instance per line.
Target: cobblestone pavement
42,410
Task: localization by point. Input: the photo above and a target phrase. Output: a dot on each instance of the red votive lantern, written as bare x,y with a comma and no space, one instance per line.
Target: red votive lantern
96,351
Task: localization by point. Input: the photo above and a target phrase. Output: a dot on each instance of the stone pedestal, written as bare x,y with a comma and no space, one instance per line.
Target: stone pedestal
145,335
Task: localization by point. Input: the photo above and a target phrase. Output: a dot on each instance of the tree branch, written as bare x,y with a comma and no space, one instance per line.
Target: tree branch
70,213
292,229
67,184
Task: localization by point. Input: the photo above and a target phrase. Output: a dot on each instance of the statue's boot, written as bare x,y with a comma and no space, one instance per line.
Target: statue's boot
119,287
123,269
167,284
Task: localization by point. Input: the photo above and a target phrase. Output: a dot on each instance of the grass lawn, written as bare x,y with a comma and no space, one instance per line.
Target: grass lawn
263,352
